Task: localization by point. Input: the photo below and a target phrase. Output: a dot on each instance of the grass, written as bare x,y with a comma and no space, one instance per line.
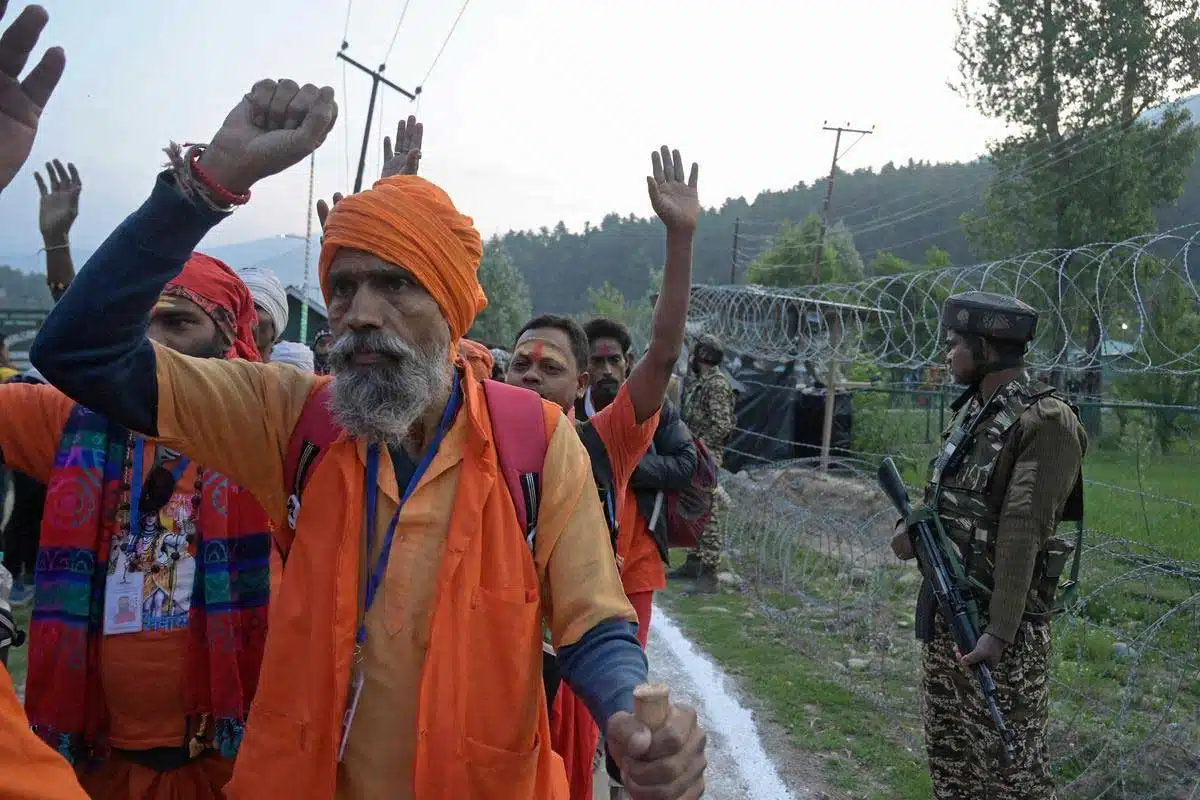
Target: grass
857,750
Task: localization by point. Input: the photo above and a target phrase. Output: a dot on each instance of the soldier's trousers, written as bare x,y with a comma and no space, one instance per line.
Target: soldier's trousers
960,737
711,541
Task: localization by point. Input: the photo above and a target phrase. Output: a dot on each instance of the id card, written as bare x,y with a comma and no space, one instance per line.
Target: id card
123,602
355,693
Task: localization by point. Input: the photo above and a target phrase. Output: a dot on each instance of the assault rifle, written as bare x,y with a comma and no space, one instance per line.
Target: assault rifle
954,607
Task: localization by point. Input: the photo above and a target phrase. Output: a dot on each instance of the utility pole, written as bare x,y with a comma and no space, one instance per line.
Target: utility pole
837,151
833,322
376,79
737,229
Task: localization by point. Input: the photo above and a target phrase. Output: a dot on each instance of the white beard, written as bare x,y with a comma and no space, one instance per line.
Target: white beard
382,402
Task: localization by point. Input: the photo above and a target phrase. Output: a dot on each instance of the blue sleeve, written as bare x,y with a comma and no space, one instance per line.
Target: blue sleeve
93,345
604,667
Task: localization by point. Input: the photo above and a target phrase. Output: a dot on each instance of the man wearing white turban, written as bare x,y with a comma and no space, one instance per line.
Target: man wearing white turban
270,301
294,353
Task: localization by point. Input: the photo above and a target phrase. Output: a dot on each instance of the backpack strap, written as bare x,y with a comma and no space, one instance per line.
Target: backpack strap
520,433
314,432
603,473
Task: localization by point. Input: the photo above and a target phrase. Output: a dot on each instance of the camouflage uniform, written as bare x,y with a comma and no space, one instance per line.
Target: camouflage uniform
708,411
1010,471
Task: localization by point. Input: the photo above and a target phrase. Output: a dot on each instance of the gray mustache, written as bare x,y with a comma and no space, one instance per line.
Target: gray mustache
378,342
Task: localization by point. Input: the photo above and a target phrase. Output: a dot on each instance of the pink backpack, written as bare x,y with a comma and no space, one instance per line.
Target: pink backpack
518,428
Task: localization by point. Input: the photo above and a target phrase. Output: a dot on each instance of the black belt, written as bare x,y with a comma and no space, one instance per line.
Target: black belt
162,759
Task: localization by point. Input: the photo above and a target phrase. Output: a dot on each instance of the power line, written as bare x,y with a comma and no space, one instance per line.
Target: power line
1039,160
396,33
346,125
1014,206
950,229
346,27
442,49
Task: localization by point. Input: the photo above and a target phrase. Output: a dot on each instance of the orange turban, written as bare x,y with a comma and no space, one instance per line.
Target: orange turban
478,358
410,222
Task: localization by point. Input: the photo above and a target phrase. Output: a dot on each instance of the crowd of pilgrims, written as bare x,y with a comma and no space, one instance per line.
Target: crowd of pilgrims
399,564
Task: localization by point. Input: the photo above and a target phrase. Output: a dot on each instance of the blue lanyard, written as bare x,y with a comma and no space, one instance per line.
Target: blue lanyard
375,576
138,479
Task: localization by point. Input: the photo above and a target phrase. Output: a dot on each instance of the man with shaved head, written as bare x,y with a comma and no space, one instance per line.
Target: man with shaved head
404,658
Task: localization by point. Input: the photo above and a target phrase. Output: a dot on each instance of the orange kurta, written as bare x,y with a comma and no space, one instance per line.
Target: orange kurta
454,653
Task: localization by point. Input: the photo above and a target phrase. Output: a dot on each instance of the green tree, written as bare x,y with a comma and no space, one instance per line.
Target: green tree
609,301
1073,78
793,252
508,306
1173,321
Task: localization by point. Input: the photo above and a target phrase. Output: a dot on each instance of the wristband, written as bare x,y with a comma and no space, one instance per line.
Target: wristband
218,192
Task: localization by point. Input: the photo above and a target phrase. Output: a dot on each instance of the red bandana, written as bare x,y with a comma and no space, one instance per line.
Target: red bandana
217,289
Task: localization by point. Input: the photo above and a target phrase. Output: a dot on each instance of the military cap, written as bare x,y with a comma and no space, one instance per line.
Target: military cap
709,349
994,316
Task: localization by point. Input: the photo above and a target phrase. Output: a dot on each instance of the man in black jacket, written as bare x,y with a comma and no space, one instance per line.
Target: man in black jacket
668,465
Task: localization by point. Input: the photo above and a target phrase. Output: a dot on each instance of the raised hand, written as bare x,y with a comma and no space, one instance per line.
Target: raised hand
276,125
323,208
60,203
406,160
676,203
21,102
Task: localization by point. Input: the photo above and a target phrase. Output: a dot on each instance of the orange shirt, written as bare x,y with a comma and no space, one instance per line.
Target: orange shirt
142,673
29,769
643,569
626,442
260,405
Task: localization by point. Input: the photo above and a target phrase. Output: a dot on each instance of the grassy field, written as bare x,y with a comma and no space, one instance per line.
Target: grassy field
855,751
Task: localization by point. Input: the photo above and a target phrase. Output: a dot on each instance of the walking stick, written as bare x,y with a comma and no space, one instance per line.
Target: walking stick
651,705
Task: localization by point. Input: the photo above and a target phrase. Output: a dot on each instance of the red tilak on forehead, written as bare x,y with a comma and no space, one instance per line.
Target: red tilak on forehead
606,349
539,348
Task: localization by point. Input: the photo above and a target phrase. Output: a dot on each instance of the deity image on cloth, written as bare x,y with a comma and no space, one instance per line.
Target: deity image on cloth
161,550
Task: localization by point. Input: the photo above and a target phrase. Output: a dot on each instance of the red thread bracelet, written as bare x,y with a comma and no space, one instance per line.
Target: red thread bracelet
219,193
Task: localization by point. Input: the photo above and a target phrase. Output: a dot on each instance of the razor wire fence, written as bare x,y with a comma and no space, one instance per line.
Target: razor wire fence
812,546
812,549
1127,306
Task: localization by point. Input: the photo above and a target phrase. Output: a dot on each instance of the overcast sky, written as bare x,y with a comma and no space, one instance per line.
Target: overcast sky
538,110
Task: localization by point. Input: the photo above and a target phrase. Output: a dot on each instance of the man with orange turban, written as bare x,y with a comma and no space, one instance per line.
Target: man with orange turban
405,651
145,685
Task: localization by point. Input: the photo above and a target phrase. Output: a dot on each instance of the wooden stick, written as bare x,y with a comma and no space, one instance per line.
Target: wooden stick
652,704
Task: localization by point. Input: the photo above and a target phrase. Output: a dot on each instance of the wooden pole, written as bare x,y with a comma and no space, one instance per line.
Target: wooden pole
831,382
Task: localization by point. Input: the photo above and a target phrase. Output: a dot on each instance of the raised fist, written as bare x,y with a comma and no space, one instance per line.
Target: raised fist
276,125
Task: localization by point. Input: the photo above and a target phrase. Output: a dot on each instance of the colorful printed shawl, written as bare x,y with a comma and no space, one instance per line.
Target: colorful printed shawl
227,623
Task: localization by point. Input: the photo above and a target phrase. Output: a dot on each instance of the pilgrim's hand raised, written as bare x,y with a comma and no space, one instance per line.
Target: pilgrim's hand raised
277,124
22,101
676,202
406,159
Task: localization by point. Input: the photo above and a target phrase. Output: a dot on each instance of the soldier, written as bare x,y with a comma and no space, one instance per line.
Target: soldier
708,410
1009,472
